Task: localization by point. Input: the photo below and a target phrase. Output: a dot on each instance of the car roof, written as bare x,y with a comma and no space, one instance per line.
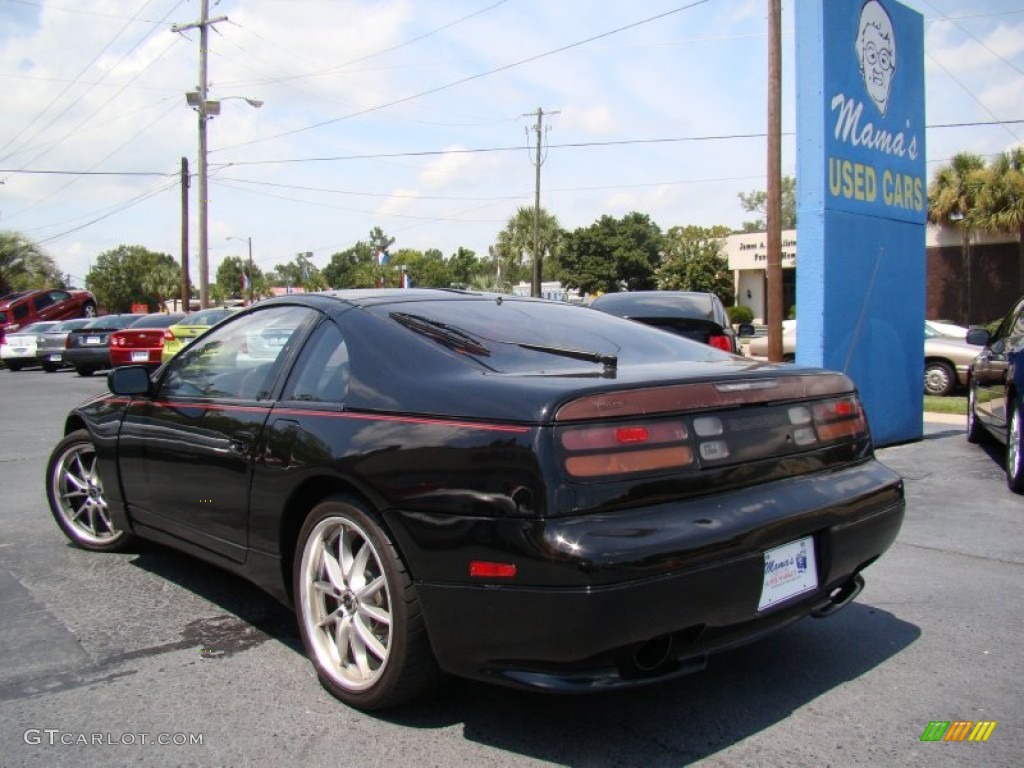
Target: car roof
657,304
157,320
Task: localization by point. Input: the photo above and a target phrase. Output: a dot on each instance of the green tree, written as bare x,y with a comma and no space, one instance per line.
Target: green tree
756,201
124,276
426,269
612,255
23,265
1001,200
229,279
694,260
300,272
350,268
515,245
952,200
464,266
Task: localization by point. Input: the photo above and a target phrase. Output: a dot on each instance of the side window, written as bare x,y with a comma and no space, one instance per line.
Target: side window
20,311
241,359
44,300
1013,323
322,372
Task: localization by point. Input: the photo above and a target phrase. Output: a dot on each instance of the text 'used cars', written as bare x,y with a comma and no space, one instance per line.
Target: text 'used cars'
507,489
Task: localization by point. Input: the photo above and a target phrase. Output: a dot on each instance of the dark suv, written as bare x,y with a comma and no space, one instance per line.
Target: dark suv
22,308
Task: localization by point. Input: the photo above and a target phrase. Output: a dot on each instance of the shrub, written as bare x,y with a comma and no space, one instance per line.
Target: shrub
740,315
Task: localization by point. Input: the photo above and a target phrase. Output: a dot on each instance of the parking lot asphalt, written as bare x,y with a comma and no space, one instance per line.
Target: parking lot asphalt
113,645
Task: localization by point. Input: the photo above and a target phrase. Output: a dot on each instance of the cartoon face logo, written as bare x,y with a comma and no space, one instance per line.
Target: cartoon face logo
876,52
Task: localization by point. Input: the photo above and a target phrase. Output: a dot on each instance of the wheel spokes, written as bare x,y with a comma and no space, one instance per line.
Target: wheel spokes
346,604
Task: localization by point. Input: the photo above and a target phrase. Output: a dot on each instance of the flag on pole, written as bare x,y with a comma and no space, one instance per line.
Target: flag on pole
406,282
245,282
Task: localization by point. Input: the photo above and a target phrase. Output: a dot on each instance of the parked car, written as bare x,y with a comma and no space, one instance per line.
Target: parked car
995,399
26,307
758,346
947,362
142,342
88,347
51,344
690,314
18,348
947,329
947,359
514,490
182,333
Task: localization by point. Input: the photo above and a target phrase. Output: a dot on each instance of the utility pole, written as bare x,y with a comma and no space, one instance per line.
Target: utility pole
774,208
202,106
537,256
186,289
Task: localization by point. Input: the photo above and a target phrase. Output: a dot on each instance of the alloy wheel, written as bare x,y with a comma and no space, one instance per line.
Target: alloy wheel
76,493
346,604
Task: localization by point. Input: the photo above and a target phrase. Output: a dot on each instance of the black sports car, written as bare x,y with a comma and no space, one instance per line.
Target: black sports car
507,489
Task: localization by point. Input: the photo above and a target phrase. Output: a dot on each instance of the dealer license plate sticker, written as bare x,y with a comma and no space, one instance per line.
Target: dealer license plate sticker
789,570
140,357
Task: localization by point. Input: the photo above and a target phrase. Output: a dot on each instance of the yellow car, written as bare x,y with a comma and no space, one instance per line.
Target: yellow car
179,336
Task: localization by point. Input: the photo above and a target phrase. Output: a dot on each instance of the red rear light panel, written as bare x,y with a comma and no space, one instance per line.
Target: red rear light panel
721,342
689,442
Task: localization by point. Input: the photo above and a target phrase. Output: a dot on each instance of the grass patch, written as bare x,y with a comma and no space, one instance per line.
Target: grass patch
946,404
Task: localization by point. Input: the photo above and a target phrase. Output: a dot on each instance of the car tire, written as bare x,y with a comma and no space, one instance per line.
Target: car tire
89,309
83,371
975,431
1015,449
75,492
50,367
938,378
14,366
358,610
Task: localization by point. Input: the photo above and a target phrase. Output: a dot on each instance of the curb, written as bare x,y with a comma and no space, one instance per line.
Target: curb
946,418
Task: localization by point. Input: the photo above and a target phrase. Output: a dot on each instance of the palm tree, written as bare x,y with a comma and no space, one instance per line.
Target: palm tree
515,246
952,200
24,265
1001,199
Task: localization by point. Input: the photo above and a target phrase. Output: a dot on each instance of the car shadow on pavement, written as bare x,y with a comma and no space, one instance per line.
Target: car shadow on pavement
741,692
254,608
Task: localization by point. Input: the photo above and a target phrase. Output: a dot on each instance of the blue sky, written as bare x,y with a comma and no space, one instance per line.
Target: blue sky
413,116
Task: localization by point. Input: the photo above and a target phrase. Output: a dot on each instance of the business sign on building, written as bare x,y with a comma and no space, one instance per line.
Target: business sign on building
861,203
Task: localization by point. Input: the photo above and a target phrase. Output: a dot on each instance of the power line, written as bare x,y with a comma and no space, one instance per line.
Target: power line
60,95
51,7
345,65
468,79
479,150
566,145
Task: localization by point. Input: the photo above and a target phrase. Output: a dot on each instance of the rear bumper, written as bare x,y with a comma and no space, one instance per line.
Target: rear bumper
91,358
667,584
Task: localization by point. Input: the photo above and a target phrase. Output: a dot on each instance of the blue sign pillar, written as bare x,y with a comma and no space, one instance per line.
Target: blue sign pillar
862,204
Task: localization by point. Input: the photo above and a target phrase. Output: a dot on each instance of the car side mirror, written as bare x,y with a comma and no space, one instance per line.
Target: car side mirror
978,336
746,329
129,380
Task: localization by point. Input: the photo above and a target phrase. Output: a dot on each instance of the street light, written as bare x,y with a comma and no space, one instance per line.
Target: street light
206,108
251,278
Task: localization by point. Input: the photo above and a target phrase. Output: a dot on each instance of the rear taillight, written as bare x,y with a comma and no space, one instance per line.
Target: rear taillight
608,450
836,419
168,336
703,437
721,342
